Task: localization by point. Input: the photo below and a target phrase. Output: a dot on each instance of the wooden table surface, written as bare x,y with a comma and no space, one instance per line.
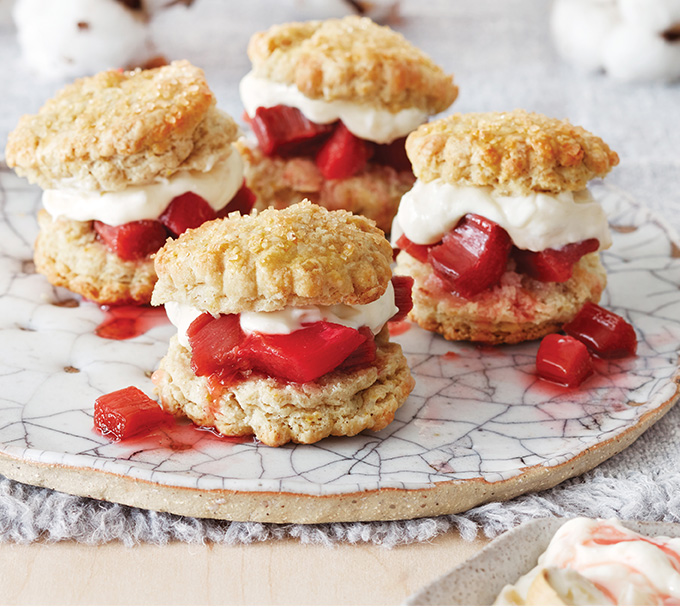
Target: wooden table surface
282,572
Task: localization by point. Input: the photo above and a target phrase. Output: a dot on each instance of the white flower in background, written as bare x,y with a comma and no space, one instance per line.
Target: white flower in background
65,39
631,40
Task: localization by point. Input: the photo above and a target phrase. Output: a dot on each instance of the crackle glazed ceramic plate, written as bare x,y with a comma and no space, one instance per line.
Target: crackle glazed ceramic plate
479,425
479,580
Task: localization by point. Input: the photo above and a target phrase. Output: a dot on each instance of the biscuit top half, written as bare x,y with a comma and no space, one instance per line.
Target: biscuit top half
351,59
516,152
118,128
302,255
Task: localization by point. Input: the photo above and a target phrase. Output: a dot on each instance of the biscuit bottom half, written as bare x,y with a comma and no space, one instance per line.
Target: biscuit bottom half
69,254
518,309
339,403
277,182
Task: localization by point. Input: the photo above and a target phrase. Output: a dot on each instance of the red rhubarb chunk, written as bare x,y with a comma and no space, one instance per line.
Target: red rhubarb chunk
417,251
402,296
472,257
186,211
563,360
554,265
343,155
305,354
243,202
603,332
285,130
127,412
133,240
364,353
215,344
392,154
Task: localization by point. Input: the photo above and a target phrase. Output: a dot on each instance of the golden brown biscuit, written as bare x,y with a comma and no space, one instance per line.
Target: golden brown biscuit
514,152
278,182
117,128
302,255
70,255
276,412
518,309
351,59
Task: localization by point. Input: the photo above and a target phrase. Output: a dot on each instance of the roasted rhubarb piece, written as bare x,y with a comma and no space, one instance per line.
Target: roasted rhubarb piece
127,412
472,257
553,265
220,347
343,155
304,355
402,296
185,212
284,130
417,251
604,333
133,240
243,202
563,360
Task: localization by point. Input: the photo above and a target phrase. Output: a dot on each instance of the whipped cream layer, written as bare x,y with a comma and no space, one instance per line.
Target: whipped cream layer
365,121
216,186
625,567
373,315
535,222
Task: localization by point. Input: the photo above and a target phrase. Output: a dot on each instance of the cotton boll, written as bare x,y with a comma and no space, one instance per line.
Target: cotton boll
72,38
634,54
579,28
651,15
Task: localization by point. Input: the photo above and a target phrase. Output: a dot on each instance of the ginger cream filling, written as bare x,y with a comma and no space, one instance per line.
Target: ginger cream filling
362,120
373,315
624,566
216,186
535,222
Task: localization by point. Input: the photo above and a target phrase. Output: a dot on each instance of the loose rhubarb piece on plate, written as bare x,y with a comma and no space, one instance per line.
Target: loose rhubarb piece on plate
553,265
215,344
303,355
417,251
186,211
563,360
243,202
127,412
392,154
402,296
604,333
343,155
133,240
472,257
285,130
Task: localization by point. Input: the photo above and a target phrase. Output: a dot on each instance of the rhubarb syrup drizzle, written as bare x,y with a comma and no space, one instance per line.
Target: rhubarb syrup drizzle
126,322
181,435
399,327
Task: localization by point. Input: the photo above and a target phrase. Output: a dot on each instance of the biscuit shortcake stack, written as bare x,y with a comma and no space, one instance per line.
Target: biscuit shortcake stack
282,325
125,160
500,231
330,103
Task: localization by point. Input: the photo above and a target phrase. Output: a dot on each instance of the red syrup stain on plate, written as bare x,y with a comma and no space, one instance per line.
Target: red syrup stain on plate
451,355
181,436
399,327
126,322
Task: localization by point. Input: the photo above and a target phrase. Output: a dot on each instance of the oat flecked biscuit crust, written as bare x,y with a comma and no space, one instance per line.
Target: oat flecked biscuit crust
518,309
302,255
69,254
514,152
279,182
351,59
118,128
276,412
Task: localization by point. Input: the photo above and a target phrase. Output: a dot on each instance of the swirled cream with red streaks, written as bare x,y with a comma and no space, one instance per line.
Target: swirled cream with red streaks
625,567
